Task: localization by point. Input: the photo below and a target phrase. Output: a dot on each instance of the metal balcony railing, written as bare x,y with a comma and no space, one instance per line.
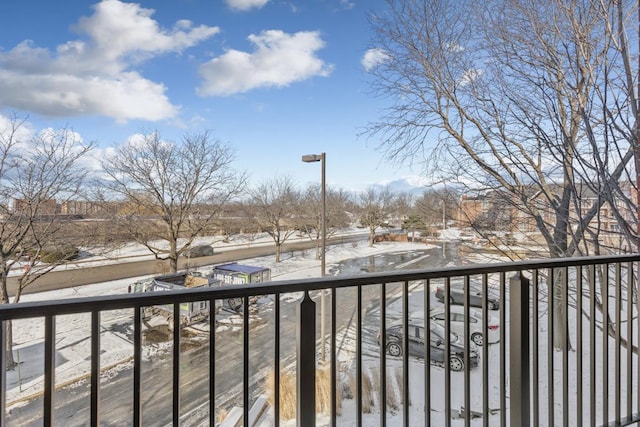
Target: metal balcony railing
550,342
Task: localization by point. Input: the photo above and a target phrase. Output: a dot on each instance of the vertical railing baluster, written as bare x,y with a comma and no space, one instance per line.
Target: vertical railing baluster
49,370
593,345
447,352
519,350
276,359
536,345
175,367
95,368
636,272
212,363
306,362
383,354
617,356
427,353
605,346
137,366
503,351
550,344
334,360
3,372
485,350
630,336
467,351
565,347
246,404
579,386
405,365
359,356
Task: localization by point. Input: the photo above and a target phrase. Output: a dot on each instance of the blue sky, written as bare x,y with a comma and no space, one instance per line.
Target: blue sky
274,79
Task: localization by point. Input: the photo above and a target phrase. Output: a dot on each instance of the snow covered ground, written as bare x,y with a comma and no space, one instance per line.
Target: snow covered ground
25,381
73,345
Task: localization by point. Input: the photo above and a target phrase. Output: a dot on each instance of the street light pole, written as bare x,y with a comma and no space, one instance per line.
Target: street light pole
310,158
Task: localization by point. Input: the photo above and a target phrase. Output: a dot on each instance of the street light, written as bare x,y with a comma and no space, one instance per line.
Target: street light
311,158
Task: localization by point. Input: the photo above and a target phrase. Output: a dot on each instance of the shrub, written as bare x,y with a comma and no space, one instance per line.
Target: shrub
54,254
288,391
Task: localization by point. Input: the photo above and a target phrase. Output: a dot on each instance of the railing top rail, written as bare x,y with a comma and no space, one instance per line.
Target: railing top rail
123,301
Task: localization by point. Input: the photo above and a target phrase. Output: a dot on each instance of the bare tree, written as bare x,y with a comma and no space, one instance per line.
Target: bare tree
533,102
437,207
376,206
37,171
276,209
171,191
311,209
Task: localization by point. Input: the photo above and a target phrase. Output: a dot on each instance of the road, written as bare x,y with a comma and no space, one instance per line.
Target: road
72,403
76,275
116,395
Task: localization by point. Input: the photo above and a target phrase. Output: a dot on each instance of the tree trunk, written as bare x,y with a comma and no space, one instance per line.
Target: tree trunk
173,264
560,306
10,362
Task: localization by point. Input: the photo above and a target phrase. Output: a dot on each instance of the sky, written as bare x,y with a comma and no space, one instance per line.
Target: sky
275,79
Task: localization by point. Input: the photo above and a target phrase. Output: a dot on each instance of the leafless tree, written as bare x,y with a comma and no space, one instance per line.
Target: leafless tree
37,171
171,191
376,206
337,202
437,206
276,209
535,102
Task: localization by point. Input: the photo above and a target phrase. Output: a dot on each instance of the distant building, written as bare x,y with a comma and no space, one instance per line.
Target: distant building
86,208
47,207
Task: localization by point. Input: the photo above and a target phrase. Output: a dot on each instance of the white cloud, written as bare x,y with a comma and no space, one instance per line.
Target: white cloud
93,76
244,5
279,59
16,127
347,4
372,58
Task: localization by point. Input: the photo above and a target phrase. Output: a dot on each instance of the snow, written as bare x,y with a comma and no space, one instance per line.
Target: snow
73,345
26,381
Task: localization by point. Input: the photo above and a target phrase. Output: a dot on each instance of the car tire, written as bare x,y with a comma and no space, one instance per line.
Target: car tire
456,363
496,306
477,339
235,304
394,349
452,301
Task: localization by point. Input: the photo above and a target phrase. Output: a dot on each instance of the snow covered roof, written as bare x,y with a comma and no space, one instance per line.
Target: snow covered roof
240,268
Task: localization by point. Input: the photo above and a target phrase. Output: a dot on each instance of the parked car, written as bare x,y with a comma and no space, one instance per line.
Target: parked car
456,295
416,337
457,320
198,251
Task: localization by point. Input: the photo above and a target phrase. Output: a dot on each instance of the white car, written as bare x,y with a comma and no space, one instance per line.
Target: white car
457,319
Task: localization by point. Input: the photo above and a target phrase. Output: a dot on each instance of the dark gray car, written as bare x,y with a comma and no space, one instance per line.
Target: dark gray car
198,251
417,340
456,296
